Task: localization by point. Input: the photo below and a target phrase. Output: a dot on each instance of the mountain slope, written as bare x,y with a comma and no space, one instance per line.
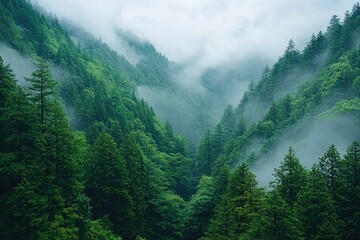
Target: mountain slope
118,132
300,94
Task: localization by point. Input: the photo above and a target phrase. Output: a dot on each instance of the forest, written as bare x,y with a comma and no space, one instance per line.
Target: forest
82,156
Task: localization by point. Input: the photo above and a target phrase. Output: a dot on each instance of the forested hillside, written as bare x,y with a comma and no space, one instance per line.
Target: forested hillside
302,91
160,82
309,99
118,172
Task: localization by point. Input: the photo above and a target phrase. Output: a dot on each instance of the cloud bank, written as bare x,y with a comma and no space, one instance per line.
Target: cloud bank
204,32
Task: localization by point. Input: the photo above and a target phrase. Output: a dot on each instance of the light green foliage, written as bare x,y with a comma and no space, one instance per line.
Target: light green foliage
343,107
338,75
135,170
99,230
199,209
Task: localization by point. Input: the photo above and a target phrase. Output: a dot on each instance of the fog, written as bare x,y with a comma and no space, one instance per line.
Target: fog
21,65
310,139
240,37
204,33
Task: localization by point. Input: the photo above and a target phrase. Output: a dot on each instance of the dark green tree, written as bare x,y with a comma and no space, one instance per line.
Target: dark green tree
290,177
274,221
335,37
139,185
316,209
42,87
204,159
238,206
349,202
329,165
107,183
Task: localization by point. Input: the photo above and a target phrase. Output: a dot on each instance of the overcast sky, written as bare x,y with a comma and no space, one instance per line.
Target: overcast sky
206,31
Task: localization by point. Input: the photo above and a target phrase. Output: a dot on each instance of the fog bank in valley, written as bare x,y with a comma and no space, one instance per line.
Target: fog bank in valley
310,139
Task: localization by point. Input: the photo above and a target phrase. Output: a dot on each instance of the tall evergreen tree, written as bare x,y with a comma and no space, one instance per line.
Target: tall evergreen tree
199,209
139,185
350,192
238,206
204,159
329,165
316,209
42,87
274,221
290,177
107,184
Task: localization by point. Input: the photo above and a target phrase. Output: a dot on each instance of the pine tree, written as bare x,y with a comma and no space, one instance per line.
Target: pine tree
335,36
107,183
329,165
237,207
274,221
350,192
199,209
42,87
290,177
204,157
218,142
316,209
139,185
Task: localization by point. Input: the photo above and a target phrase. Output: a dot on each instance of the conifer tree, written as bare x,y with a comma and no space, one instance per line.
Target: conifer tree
274,221
42,87
329,165
107,183
290,177
316,209
139,185
204,157
349,201
238,206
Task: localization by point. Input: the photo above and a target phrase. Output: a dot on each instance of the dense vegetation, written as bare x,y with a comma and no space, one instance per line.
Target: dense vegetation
299,90
119,173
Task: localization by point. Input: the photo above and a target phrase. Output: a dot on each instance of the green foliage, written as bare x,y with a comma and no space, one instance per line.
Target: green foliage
132,167
275,220
319,82
290,177
237,207
316,209
99,229
350,192
107,183
199,209
329,165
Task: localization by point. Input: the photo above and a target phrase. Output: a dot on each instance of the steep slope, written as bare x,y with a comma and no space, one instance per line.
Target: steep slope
147,162
307,99
161,82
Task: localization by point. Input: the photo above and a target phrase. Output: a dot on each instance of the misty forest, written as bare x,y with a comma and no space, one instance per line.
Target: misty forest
96,143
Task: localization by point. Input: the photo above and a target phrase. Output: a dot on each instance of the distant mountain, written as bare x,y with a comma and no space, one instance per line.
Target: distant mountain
84,155
190,108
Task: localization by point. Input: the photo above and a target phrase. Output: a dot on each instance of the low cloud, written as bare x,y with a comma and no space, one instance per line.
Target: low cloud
310,140
207,32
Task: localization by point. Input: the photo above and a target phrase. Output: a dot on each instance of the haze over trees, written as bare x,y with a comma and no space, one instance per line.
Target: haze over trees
118,172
